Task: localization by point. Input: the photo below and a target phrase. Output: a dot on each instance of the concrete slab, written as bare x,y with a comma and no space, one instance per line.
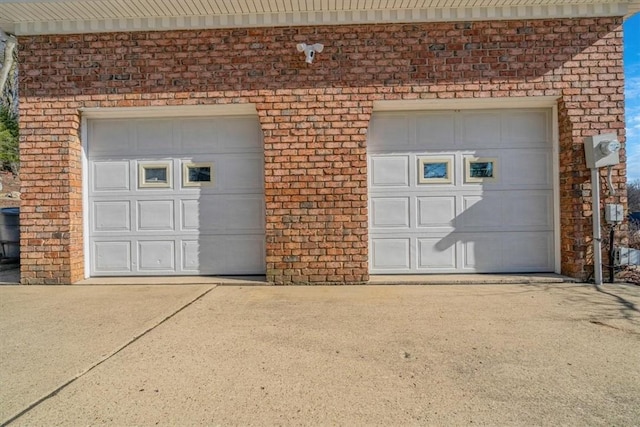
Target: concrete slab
51,334
423,279
177,280
471,279
544,354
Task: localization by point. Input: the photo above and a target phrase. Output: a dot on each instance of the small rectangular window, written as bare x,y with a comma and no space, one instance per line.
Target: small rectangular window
433,170
197,174
154,175
479,170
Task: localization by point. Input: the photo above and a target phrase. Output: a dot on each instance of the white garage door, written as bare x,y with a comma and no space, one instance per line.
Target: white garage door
461,191
179,196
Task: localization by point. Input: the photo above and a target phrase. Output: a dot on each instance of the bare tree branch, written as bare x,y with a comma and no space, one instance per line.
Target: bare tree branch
10,43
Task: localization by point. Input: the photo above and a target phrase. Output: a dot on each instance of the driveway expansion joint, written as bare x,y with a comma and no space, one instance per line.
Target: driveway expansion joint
104,359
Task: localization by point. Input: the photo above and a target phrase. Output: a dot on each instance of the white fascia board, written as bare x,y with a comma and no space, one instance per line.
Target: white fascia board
305,18
169,111
467,103
633,9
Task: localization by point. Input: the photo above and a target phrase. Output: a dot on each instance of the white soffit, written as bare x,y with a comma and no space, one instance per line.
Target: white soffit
24,17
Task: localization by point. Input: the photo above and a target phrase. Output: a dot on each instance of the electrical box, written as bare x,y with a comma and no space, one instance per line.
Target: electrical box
602,150
613,213
626,256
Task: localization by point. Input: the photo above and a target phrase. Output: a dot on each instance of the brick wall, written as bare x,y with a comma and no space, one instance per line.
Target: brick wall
315,185
314,119
51,205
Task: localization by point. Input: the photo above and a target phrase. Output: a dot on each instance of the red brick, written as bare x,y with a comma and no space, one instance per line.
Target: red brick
314,120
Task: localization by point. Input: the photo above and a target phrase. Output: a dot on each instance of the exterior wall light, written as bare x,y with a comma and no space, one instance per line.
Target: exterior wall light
310,50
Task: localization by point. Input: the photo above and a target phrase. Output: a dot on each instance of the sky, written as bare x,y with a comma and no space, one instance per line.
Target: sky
631,33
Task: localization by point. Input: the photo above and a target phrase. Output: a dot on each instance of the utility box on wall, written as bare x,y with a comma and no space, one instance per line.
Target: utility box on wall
626,256
602,150
613,213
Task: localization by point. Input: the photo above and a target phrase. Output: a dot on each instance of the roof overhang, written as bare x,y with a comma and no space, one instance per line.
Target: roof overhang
26,17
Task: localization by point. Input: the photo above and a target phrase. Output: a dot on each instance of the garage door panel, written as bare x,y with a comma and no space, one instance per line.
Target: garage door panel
436,211
436,253
109,137
110,176
236,133
529,209
436,131
112,216
389,171
111,257
528,168
156,255
190,256
477,129
178,229
481,211
507,211
527,129
197,135
239,173
224,255
229,134
529,251
156,215
390,212
390,253
190,215
224,213
211,255
241,213
244,254
481,252
390,131
154,136
462,226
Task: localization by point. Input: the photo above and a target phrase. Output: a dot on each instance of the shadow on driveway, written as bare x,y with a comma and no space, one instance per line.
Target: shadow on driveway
375,355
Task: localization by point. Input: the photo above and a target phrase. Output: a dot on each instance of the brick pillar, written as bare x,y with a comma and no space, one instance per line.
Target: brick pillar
316,186
575,200
51,207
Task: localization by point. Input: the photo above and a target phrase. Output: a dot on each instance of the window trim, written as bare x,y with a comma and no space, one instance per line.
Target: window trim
185,174
468,161
143,166
422,161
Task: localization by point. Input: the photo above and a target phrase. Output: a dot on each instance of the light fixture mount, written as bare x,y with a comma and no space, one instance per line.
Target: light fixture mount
310,50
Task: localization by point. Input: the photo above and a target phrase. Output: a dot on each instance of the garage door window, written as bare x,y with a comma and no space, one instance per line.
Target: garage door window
481,170
197,174
156,175
434,170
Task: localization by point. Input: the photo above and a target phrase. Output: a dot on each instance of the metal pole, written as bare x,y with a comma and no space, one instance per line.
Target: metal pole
597,235
612,236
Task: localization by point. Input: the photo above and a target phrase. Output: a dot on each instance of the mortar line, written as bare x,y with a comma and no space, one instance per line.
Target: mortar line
104,359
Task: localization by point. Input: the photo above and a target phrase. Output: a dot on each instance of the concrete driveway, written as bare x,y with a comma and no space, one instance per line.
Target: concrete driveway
550,354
